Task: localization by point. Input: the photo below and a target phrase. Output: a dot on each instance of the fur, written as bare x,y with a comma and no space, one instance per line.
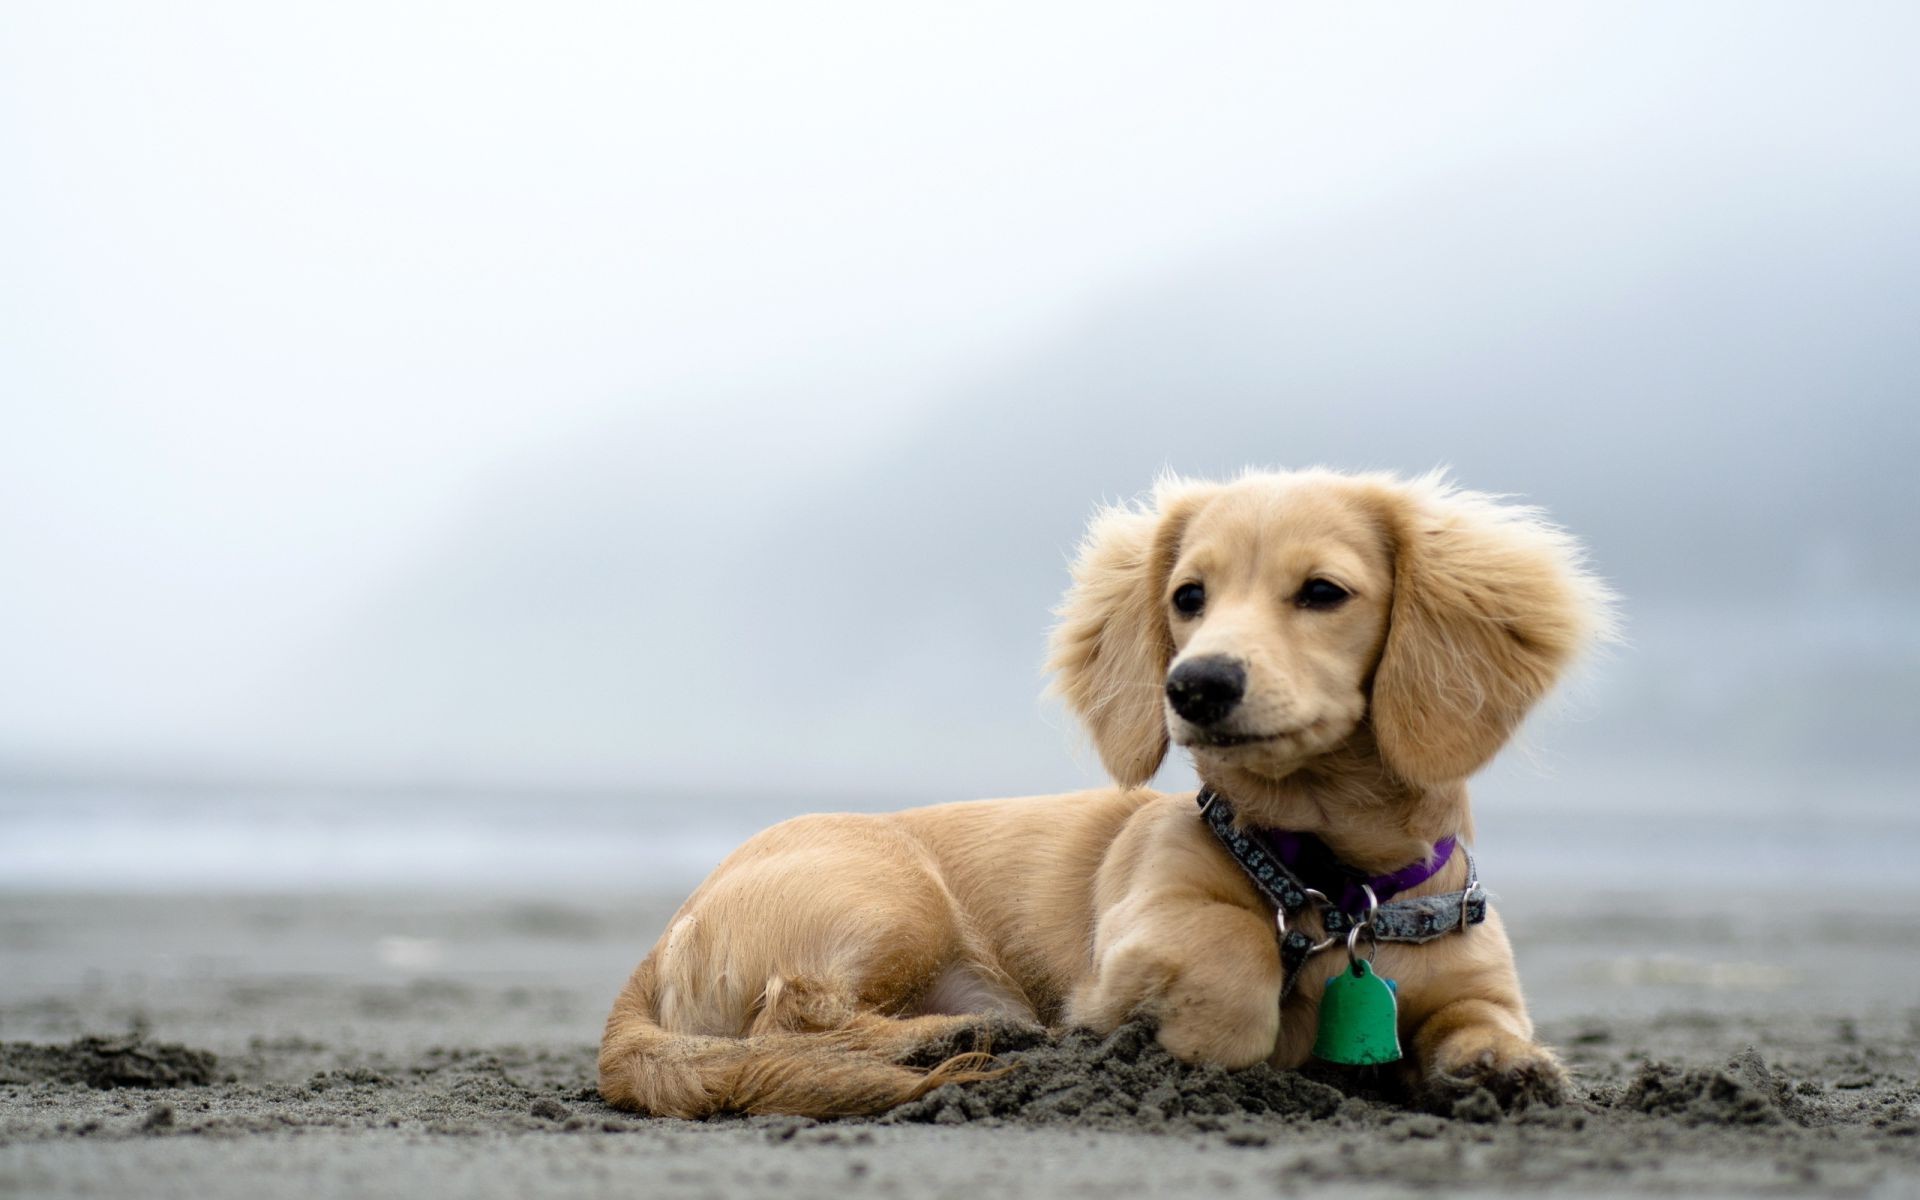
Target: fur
830,954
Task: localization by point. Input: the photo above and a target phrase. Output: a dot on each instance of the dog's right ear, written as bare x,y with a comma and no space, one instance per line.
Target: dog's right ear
1110,651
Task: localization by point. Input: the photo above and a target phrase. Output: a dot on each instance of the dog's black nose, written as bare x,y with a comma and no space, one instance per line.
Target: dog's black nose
1205,689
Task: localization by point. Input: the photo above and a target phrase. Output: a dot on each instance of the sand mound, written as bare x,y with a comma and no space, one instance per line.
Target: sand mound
1744,1092
103,1062
1122,1081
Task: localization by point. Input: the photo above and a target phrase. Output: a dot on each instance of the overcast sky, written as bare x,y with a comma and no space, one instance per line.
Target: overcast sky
333,337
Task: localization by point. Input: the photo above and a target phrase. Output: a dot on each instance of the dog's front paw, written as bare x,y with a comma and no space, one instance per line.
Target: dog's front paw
1513,1071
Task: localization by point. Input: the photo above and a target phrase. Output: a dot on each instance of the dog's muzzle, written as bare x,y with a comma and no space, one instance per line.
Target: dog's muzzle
1204,690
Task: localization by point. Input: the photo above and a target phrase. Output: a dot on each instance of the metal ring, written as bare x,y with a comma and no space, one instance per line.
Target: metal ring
1314,896
1353,942
1316,947
1366,923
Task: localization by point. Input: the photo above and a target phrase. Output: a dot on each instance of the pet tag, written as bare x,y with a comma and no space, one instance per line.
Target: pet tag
1359,1018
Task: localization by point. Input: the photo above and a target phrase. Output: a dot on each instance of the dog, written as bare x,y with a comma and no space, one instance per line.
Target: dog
1337,653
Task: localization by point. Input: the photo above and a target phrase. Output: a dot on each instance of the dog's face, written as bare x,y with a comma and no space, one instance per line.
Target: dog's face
1261,623
1276,608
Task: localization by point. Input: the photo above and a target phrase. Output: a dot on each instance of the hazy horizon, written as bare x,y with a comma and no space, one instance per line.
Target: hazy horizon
651,402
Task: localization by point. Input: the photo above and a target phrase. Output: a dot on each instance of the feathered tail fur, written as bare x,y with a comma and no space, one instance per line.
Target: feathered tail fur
825,1073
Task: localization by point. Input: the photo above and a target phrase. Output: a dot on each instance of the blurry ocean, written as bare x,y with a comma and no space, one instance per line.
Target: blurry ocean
1625,825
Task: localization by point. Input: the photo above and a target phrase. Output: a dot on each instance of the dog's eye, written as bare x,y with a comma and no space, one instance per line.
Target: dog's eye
1321,593
1190,598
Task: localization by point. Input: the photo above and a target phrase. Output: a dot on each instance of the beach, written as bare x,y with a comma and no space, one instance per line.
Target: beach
389,1044
468,469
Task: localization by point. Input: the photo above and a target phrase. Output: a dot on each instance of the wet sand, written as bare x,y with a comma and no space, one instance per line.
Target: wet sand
400,1046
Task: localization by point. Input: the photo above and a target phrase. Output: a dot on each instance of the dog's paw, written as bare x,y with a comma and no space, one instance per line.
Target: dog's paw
1479,1072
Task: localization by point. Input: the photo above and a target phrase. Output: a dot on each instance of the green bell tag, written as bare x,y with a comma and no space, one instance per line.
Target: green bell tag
1359,1018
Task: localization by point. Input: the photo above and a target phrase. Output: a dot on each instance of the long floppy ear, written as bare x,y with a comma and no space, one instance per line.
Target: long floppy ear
1111,648
1490,605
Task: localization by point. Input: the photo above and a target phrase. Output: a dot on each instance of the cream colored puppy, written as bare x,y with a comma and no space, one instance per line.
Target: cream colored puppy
1338,653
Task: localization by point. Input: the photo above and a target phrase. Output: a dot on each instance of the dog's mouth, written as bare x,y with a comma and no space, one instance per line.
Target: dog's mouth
1221,741
1227,739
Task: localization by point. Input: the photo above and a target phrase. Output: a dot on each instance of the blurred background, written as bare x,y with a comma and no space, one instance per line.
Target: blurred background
523,448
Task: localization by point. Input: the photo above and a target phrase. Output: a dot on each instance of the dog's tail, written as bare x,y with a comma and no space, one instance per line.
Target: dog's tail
827,1073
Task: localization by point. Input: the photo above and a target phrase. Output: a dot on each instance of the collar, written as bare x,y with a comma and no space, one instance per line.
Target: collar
1314,862
1314,865
1415,921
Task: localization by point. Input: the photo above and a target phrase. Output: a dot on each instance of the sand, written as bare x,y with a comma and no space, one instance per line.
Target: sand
382,1046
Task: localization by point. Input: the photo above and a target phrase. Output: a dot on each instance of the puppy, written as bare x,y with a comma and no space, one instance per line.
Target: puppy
1338,653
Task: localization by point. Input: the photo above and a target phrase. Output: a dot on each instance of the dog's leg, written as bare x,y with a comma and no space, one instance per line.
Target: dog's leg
1473,1044
1208,972
794,982
832,1072
1470,1024
806,1006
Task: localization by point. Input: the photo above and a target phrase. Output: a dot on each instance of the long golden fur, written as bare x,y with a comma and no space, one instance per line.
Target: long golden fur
829,953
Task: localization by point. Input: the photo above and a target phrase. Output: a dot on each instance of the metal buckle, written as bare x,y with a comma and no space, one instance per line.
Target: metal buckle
1466,894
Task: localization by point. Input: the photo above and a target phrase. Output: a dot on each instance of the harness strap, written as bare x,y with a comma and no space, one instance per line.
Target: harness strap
1412,921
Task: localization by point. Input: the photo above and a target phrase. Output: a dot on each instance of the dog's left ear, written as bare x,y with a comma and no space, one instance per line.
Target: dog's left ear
1112,646
1490,606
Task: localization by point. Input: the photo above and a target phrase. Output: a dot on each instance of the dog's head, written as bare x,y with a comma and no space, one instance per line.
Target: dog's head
1262,623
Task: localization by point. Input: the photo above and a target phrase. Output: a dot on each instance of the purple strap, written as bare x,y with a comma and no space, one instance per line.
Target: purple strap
1314,862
